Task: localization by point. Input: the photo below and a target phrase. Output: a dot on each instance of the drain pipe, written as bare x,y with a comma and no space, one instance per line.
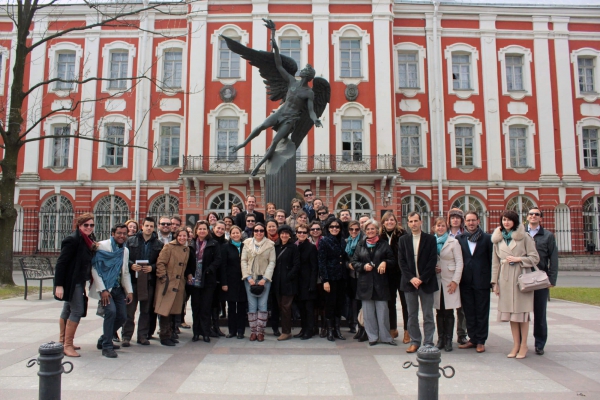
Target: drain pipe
440,124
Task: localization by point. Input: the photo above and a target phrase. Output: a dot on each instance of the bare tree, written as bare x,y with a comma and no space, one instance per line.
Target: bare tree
14,133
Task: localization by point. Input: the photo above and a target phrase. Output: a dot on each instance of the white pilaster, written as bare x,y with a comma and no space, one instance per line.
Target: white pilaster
87,117
382,22
489,68
543,91
37,66
320,12
197,79
260,37
565,99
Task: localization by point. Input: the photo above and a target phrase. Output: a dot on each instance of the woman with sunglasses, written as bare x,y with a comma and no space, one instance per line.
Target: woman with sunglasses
307,282
73,269
315,233
202,279
233,287
219,299
296,208
258,264
250,225
332,270
355,236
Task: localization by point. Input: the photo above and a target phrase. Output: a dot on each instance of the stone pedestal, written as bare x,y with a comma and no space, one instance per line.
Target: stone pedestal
281,175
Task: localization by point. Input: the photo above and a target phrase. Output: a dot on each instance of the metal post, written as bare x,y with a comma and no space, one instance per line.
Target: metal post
429,358
51,369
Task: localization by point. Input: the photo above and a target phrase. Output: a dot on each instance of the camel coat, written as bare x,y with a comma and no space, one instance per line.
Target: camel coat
511,299
450,262
170,286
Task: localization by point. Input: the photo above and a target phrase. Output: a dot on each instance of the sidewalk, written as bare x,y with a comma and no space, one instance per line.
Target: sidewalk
239,369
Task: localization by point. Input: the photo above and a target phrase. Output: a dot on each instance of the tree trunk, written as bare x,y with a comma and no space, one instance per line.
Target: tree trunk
8,214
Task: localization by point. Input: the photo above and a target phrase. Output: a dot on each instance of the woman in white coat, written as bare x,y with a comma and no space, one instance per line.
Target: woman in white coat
449,271
514,251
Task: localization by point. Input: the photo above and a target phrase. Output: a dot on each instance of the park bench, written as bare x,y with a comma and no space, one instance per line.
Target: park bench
36,269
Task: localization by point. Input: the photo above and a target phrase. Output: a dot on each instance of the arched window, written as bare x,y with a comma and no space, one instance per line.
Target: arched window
591,220
520,205
222,202
470,203
56,222
164,205
415,203
358,205
109,211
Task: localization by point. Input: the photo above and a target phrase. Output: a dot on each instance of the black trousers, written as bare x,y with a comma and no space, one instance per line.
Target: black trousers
201,308
355,305
236,316
307,316
540,325
476,306
273,307
335,299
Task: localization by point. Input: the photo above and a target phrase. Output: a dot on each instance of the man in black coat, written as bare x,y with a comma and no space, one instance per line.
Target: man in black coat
146,246
240,219
417,256
477,250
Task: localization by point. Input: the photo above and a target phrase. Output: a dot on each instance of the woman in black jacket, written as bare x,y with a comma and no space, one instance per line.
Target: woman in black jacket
354,237
307,282
218,234
232,284
73,269
332,270
370,261
202,278
285,285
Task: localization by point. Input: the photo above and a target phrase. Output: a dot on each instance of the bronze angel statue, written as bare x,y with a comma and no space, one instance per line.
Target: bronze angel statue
301,105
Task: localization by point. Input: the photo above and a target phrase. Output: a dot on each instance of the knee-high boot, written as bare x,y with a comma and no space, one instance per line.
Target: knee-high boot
253,322
448,328
263,316
439,324
62,323
70,329
337,332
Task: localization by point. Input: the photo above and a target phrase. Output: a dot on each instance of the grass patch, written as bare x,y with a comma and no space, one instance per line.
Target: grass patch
579,295
7,292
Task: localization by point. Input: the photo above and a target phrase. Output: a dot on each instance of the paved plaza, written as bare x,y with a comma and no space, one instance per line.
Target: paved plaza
232,368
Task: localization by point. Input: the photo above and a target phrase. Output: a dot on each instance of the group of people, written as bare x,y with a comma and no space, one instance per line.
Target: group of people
309,265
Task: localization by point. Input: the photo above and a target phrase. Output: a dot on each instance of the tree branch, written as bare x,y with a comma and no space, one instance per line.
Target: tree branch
92,138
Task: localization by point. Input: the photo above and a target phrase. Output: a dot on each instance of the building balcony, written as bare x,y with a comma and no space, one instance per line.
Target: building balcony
196,165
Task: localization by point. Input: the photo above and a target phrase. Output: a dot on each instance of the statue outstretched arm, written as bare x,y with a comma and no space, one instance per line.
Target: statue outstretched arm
286,75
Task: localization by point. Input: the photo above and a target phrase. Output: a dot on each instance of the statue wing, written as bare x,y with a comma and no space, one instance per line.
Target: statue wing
277,86
322,95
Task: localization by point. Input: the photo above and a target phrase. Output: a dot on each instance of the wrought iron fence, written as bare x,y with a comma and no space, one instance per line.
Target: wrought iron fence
577,231
322,163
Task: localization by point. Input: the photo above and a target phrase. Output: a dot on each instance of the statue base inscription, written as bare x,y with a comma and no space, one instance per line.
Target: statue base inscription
280,175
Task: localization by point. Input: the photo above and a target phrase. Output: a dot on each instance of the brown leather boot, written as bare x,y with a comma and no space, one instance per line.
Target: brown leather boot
69,335
62,323
406,338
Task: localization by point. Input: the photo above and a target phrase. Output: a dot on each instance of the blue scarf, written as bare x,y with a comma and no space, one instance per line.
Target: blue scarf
351,244
440,241
236,244
507,236
109,264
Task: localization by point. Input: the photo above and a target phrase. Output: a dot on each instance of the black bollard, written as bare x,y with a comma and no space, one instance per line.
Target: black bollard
51,369
429,358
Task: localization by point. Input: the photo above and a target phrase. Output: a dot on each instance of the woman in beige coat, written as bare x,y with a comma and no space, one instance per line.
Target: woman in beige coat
170,286
514,251
449,271
258,264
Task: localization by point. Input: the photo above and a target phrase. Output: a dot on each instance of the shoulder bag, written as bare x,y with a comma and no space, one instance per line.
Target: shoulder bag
537,279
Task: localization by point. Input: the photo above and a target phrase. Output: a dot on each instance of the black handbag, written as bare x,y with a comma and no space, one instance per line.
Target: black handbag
257,289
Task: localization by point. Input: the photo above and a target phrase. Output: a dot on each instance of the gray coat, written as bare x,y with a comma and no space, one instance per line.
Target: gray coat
545,243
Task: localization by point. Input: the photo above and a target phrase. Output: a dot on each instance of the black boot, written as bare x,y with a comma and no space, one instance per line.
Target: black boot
337,332
363,334
352,327
215,330
439,323
358,332
330,330
448,328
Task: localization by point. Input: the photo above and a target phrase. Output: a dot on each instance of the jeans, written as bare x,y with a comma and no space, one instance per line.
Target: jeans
412,301
257,303
115,315
73,309
540,325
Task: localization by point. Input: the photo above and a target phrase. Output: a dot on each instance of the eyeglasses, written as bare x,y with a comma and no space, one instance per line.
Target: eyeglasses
308,195
89,225
301,232
165,223
354,229
315,229
259,231
534,214
250,220
295,206
334,227
322,213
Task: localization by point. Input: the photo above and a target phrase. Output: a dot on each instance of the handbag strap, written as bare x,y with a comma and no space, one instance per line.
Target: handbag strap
282,251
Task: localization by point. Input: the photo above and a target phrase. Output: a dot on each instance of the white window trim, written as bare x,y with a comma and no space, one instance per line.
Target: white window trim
474,57
367,117
214,41
161,48
589,122
106,50
292,31
530,126
171,119
53,52
423,131
527,58
477,132
222,111
351,31
592,53
109,120
49,131
409,47
4,53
